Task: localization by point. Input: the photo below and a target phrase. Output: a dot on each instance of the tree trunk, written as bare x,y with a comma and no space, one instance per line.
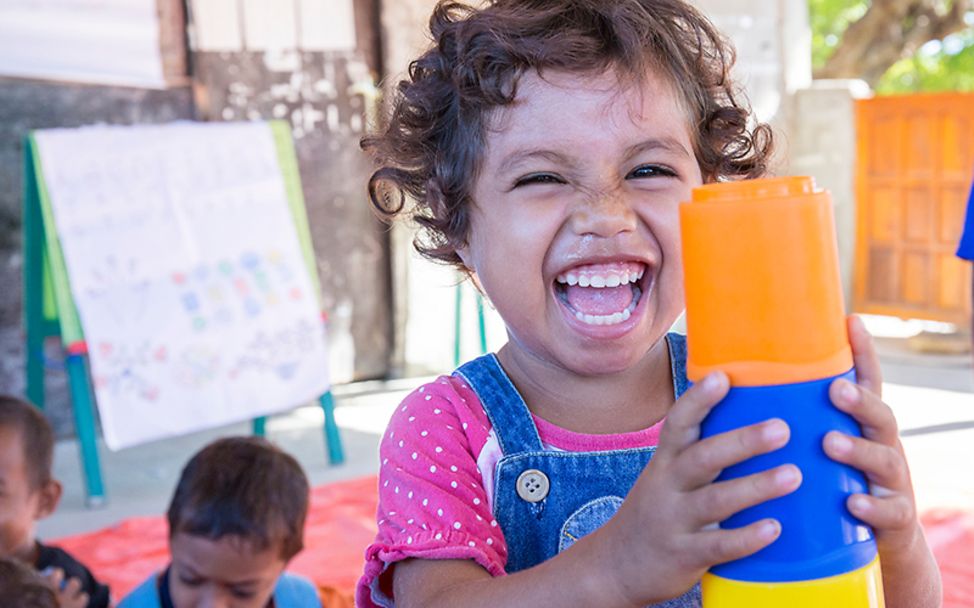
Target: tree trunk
889,31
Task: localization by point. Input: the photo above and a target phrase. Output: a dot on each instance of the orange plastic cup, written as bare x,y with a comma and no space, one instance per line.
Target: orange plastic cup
763,290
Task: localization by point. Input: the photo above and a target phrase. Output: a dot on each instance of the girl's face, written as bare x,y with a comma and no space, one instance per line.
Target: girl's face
574,229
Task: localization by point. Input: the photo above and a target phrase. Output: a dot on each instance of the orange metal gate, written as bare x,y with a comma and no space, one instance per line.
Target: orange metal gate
915,160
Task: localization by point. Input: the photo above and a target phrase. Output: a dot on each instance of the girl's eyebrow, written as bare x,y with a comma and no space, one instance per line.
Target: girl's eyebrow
513,160
667,144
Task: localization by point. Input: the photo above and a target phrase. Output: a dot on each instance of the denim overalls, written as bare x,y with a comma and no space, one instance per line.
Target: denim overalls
545,500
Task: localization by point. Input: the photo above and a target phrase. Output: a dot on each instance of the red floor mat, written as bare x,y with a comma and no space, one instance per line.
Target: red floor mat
951,536
341,523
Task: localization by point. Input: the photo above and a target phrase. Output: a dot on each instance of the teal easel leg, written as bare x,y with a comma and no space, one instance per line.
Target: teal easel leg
480,324
84,423
333,441
34,365
260,426
33,287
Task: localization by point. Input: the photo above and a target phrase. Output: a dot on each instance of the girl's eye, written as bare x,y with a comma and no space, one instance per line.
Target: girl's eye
644,171
538,178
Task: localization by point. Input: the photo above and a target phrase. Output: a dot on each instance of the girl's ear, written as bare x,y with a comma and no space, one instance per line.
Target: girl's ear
469,270
50,496
464,255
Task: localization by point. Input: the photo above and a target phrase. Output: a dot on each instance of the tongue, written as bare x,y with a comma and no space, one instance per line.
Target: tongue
599,301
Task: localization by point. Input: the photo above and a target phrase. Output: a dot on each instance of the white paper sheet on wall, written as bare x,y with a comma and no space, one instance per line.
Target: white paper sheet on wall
102,41
273,25
326,25
185,266
216,25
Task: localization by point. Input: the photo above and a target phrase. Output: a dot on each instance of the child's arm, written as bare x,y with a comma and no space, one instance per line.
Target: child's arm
659,543
910,575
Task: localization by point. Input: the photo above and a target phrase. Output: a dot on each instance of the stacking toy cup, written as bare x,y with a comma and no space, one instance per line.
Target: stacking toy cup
764,304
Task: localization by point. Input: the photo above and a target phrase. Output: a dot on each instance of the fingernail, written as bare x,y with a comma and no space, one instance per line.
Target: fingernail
849,392
840,443
774,431
859,504
786,477
769,530
713,382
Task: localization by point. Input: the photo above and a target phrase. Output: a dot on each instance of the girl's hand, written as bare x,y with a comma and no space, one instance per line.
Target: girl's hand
910,575
69,593
664,536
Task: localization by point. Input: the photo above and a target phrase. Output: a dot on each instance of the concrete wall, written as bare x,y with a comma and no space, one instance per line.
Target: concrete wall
823,144
774,50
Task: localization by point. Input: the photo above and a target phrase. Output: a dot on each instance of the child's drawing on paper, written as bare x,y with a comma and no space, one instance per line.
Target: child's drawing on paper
179,241
123,369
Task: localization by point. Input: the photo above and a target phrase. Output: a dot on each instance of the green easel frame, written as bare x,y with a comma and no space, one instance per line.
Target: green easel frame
50,311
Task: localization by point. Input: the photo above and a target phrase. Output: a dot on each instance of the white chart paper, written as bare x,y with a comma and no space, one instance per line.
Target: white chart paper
184,263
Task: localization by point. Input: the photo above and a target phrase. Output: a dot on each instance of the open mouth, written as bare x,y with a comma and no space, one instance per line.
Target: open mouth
601,294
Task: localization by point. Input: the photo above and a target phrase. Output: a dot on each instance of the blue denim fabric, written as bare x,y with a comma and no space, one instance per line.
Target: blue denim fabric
586,488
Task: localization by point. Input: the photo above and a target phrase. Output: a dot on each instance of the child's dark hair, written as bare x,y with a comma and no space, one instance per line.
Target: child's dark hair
243,487
22,587
434,143
35,434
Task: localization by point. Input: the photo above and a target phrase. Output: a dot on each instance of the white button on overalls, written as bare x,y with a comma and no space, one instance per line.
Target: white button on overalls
532,485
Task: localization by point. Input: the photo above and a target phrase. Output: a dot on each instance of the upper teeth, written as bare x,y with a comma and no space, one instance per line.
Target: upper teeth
600,279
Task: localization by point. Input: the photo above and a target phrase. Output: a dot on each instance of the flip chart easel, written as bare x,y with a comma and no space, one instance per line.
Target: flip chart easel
49,307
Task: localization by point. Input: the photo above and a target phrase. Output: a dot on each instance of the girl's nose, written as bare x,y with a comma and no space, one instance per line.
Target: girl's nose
604,214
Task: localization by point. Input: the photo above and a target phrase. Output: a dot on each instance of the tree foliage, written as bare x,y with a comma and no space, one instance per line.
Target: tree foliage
895,45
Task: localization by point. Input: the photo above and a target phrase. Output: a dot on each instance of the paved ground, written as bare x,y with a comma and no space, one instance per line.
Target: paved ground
932,395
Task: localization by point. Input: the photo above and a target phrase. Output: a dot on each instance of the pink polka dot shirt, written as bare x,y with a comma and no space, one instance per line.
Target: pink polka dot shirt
436,482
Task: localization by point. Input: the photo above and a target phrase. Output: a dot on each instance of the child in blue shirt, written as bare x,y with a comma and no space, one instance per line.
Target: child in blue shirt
235,521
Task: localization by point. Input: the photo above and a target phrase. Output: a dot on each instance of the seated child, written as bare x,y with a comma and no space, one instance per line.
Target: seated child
22,587
235,521
30,493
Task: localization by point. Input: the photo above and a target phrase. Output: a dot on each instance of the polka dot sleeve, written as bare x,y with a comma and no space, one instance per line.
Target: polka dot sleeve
432,503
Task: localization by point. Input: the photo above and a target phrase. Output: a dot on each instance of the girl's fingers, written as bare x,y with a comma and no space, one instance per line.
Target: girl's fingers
719,501
864,357
718,546
682,426
884,465
876,418
891,513
703,461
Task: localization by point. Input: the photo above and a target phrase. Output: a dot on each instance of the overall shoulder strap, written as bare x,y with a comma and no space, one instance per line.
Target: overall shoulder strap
678,362
506,409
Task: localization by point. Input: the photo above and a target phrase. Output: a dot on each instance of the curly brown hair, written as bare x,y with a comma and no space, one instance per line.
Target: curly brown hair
434,143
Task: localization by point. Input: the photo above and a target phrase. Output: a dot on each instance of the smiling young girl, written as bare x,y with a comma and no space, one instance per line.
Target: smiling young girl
547,145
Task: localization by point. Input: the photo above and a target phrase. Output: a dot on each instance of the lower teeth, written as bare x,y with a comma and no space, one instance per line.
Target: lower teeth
614,318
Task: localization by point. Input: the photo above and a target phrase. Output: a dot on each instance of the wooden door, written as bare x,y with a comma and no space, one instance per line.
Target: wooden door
914,170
